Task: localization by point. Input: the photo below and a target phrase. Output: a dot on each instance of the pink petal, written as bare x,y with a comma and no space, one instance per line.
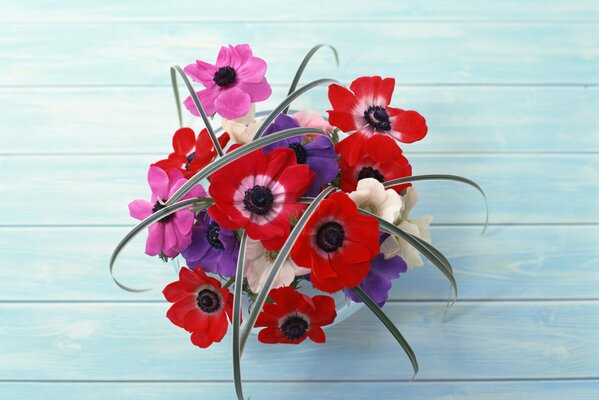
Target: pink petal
176,180
244,51
158,181
155,241
140,209
252,70
257,91
201,72
183,220
233,103
206,97
223,58
170,237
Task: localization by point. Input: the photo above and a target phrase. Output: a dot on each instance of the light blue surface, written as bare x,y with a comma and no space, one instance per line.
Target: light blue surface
510,93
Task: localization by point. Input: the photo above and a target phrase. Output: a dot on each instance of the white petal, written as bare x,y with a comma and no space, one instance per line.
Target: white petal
409,200
408,252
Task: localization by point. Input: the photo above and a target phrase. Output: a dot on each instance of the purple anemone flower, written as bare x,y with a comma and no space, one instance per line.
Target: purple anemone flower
317,152
212,248
378,282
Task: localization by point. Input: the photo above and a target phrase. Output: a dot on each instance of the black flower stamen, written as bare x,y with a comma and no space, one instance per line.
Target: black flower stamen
258,200
301,155
369,172
294,327
330,236
378,118
225,76
190,158
212,236
208,301
159,206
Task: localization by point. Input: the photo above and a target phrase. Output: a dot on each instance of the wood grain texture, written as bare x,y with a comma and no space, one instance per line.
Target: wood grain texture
422,53
460,119
547,390
136,341
67,11
515,262
96,189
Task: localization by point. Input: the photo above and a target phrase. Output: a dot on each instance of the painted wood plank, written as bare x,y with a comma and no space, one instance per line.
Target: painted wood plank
311,10
477,341
416,53
460,119
547,390
521,189
519,262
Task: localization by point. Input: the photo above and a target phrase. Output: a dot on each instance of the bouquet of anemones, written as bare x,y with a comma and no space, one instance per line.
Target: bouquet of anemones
300,215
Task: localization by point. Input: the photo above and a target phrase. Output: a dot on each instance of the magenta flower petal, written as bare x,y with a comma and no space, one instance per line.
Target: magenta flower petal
252,71
201,72
257,91
244,51
155,241
232,103
140,209
158,181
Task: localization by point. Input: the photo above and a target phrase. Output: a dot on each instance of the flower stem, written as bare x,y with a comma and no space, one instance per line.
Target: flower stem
229,282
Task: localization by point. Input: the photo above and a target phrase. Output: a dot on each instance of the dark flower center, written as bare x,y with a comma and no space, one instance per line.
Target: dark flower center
225,76
301,154
258,200
330,236
294,327
159,206
212,236
369,172
377,117
208,301
190,158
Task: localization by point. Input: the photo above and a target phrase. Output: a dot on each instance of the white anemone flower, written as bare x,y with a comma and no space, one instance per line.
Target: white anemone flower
418,227
370,194
259,262
243,129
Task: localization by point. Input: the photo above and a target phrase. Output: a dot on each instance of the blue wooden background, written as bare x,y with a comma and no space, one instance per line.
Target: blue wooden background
510,91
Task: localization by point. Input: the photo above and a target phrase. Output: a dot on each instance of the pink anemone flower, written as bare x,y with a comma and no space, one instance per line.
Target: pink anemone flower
232,84
171,234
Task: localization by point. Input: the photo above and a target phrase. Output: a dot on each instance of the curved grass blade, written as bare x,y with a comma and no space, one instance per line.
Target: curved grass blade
177,98
237,317
288,100
380,314
302,67
202,202
442,177
425,248
238,153
196,101
279,260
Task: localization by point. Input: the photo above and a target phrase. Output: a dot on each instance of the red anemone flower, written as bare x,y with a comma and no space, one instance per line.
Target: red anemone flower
377,158
191,154
337,244
364,108
260,193
201,306
293,317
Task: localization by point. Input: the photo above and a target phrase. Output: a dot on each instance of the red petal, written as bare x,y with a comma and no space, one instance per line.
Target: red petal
325,310
365,87
177,312
341,99
184,141
408,127
174,292
351,148
316,334
385,91
221,218
277,161
201,339
342,120
270,335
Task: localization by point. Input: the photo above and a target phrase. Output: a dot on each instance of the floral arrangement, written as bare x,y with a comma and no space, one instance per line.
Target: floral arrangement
284,206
